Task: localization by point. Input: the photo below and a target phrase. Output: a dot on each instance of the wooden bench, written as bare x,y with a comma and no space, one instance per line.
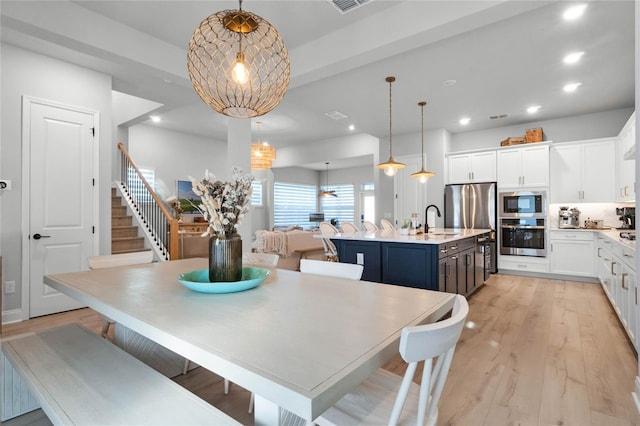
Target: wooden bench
80,378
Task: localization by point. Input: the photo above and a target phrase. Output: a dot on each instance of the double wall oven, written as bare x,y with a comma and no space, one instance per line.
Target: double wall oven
523,228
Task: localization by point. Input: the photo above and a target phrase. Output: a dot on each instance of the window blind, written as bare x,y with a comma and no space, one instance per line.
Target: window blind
292,204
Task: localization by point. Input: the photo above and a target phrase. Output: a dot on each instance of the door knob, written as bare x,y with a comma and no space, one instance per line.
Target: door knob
38,236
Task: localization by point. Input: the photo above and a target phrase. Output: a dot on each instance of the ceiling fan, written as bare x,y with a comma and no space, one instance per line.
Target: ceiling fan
327,192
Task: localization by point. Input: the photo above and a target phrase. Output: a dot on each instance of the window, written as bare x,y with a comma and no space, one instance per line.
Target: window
292,204
256,193
340,207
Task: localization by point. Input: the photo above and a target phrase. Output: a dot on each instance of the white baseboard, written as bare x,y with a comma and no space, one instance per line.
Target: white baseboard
636,393
14,315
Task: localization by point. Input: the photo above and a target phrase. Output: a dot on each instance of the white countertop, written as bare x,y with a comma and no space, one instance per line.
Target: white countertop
435,236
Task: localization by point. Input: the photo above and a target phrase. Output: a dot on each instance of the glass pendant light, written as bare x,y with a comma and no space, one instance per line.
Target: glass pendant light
390,167
422,174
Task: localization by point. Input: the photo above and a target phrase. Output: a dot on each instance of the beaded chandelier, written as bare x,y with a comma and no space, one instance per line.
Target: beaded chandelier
238,64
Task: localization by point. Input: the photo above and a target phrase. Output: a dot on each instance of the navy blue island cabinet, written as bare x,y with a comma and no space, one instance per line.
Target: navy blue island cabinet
406,264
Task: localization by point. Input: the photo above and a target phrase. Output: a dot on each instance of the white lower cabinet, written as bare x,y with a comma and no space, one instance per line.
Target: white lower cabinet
572,253
616,270
523,264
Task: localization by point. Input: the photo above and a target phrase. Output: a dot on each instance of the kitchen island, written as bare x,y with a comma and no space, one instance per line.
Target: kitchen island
448,259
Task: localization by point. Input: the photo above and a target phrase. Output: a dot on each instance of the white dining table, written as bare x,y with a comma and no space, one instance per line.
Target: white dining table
298,341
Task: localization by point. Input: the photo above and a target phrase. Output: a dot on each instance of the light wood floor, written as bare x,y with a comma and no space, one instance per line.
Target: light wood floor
535,352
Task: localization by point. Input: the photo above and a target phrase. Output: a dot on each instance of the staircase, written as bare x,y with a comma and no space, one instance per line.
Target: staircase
124,235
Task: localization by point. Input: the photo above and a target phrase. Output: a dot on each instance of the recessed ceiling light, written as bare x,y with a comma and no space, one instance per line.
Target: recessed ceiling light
572,58
571,87
449,82
352,127
155,118
465,120
533,109
574,12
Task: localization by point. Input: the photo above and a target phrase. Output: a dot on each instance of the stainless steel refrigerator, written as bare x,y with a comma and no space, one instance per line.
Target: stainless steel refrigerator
473,206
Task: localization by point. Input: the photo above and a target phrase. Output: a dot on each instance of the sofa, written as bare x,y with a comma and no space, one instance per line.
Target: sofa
290,246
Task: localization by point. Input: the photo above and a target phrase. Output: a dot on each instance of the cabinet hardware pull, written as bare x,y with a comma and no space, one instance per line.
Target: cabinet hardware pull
623,280
599,248
636,289
613,273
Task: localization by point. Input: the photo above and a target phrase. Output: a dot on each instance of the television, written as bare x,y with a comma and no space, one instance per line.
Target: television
316,217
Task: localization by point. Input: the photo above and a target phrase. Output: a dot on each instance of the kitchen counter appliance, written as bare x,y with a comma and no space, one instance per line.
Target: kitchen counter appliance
568,218
627,216
473,206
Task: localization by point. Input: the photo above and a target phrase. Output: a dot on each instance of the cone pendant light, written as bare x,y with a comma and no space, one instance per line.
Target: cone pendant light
422,174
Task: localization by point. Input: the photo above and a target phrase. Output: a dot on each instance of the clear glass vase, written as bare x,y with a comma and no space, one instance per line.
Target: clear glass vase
225,258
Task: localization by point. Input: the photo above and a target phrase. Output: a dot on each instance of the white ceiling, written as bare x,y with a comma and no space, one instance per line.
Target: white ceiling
504,55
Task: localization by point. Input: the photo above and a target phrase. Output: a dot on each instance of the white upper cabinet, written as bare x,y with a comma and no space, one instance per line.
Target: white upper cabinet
527,166
626,168
472,167
583,172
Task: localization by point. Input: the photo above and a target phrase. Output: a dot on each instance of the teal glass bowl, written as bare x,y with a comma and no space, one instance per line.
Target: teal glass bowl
198,280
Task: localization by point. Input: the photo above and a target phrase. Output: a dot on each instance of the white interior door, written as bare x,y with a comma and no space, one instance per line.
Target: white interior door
61,199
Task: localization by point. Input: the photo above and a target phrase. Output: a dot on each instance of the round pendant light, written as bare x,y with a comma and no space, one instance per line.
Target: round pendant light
422,175
238,64
390,167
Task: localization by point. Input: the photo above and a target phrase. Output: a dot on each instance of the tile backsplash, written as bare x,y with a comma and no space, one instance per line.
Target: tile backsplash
593,211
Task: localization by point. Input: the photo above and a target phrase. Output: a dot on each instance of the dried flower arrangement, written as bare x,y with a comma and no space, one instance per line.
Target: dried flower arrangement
174,203
224,204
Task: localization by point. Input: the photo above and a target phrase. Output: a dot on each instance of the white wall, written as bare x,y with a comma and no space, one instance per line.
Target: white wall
175,156
580,127
27,73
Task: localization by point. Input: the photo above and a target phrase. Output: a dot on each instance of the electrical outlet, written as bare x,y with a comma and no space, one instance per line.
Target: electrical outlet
9,287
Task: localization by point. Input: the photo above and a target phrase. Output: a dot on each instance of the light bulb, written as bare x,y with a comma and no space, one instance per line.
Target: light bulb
390,171
424,179
239,72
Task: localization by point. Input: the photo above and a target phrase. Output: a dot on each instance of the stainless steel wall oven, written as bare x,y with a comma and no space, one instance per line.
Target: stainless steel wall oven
523,237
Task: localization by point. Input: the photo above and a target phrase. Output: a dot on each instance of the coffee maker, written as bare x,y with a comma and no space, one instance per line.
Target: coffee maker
568,218
628,217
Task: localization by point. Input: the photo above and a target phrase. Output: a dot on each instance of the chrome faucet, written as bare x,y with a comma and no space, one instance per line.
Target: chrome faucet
426,226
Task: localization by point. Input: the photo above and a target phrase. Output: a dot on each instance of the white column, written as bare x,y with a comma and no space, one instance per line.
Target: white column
239,154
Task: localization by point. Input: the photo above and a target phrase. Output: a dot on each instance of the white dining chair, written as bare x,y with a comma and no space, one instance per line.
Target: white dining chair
349,228
386,225
330,250
386,398
369,226
113,260
333,269
267,260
